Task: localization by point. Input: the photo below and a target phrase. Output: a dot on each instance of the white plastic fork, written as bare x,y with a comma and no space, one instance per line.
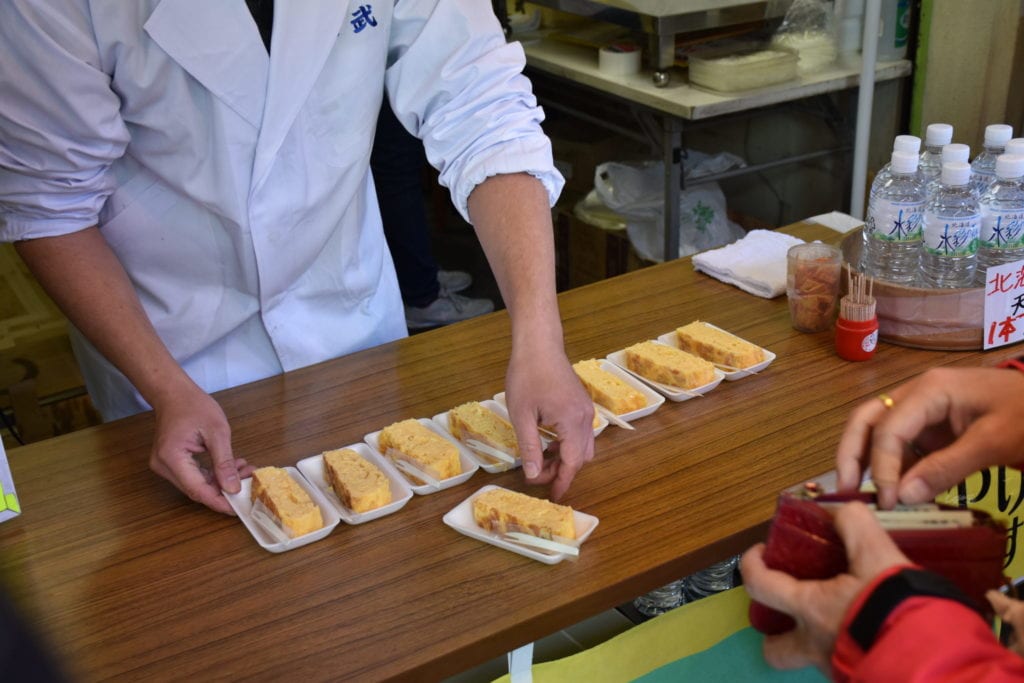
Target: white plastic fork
263,520
410,469
487,449
541,543
613,418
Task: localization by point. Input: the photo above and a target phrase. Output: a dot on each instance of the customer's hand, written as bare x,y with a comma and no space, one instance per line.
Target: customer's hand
190,424
942,426
542,389
1010,611
818,607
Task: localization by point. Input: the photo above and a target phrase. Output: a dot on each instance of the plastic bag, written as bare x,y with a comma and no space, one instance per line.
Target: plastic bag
808,29
635,190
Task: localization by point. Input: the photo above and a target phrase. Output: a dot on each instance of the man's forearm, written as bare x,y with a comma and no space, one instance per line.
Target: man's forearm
84,277
513,223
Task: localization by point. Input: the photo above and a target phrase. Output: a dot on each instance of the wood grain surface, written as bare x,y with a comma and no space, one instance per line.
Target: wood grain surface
128,579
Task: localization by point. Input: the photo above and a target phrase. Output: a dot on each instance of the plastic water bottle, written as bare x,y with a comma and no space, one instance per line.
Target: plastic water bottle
901,143
906,143
714,579
936,136
983,168
661,600
1002,217
892,232
952,222
951,152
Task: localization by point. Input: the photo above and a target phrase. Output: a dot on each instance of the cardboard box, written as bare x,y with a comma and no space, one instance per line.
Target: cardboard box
579,148
587,253
27,314
39,379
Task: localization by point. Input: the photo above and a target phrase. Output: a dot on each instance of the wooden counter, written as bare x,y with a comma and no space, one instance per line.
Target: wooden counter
129,579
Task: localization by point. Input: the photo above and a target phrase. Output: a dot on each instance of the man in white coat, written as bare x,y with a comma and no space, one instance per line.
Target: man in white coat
201,207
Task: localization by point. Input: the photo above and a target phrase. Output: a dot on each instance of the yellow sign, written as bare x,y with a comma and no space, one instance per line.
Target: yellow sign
999,491
9,501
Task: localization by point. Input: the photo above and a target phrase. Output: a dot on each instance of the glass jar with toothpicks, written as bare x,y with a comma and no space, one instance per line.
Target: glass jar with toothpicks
857,326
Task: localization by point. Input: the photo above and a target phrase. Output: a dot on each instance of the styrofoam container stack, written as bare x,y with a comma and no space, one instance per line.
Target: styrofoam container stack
741,66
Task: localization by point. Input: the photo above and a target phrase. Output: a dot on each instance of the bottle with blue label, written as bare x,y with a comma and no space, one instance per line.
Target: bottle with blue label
892,231
1002,217
952,224
983,168
936,136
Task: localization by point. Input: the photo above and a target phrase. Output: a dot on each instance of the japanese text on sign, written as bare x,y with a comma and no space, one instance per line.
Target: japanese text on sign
1004,304
999,491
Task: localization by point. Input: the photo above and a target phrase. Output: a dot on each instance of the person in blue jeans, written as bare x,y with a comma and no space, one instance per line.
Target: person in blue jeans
430,294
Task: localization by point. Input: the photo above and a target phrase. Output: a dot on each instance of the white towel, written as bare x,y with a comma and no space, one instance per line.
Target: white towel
756,263
838,221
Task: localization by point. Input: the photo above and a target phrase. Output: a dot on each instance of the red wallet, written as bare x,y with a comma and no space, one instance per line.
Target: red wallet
802,541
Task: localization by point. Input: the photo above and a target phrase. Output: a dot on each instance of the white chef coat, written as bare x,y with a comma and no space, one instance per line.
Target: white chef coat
234,186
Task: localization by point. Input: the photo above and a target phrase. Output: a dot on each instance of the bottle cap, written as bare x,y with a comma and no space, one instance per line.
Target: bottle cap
956,173
1015,146
907,143
956,152
904,162
937,134
998,134
1009,166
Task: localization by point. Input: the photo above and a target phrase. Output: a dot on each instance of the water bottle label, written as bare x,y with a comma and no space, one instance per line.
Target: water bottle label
895,221
952,236
1001,229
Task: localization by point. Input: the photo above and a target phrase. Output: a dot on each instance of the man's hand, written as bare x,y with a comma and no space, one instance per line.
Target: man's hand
190,424
513,221
542,389
942,426
81,273
818,607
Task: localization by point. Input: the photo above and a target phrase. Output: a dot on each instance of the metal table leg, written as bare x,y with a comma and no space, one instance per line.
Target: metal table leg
672,156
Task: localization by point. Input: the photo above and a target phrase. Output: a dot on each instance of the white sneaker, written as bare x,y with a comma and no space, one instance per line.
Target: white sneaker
447,308
454,280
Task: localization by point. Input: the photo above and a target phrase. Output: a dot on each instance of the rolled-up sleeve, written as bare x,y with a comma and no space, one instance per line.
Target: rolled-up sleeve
454,82
60,122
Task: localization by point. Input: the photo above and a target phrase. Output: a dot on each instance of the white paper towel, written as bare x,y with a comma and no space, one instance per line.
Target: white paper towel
755,264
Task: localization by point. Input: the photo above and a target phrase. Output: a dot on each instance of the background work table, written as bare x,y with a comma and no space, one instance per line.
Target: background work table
128,578
578,64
